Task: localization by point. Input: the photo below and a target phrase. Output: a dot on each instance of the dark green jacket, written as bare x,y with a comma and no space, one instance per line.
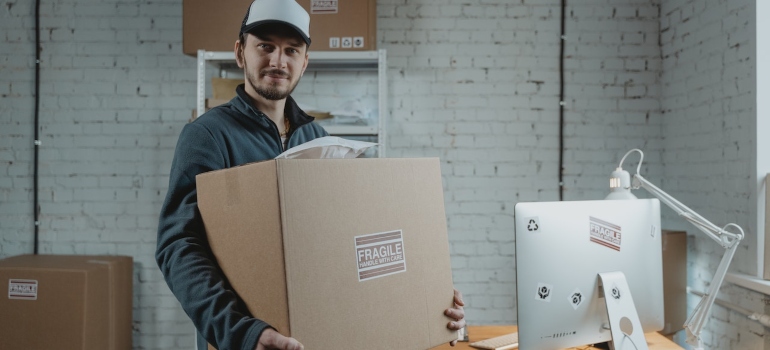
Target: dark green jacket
229,135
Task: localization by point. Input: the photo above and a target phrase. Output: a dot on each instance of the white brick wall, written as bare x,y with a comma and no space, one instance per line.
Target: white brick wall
115,92
472,82
477,84
707,89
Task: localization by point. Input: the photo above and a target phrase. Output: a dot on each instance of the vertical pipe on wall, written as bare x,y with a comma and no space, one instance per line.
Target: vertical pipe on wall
561,100
35,209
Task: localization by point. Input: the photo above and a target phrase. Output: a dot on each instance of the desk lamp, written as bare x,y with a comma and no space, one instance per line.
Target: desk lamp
621,186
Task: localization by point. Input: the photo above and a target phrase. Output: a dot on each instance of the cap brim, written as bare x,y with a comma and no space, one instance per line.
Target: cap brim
253,26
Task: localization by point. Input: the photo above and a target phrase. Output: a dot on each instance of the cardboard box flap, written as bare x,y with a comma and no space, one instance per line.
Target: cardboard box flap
390,222
241,209
121,290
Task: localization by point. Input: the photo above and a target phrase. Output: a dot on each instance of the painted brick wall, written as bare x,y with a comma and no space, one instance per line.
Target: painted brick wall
472,82
477,84
707,91
115,92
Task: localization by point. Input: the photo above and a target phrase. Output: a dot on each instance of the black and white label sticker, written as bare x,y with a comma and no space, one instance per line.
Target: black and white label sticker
22,289
347,42
324,6
616,292
358,41
533,224
334,42
604,233
380,254
576,298
544,292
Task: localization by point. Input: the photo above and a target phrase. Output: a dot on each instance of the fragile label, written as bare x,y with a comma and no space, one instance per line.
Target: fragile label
380,254
323,6
22,289
605,233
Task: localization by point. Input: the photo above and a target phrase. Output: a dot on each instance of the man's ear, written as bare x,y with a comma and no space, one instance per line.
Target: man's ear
238,53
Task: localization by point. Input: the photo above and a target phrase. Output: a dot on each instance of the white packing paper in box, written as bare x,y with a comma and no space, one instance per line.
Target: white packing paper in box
327,147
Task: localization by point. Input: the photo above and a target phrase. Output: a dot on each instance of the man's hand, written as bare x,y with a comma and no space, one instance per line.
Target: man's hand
272,340
457,314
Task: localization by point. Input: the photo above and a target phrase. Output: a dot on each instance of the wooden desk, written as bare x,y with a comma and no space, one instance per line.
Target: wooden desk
475,333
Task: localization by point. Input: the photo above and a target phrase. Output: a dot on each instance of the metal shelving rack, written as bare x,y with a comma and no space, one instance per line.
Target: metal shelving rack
320,61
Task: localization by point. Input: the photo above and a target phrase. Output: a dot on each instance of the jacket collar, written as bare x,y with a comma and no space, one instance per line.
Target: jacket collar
244,103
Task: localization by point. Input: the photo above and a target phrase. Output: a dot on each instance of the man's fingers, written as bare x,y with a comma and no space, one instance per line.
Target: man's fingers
459,298
294,344
456,325
274,340
286,343
457,314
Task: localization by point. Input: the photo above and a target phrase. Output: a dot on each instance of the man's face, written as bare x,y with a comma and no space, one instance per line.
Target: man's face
272,64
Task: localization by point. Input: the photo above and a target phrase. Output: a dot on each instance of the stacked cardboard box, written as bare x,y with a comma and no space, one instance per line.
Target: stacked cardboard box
334,25
674,280
67,302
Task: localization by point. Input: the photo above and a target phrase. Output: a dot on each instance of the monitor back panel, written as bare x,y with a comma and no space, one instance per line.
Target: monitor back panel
561,247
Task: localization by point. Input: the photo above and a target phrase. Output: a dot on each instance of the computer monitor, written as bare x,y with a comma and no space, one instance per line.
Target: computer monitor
561,247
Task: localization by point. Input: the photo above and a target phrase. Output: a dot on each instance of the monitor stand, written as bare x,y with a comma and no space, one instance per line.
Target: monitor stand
625,327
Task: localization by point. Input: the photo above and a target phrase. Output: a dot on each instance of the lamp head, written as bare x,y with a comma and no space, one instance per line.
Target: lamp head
620,185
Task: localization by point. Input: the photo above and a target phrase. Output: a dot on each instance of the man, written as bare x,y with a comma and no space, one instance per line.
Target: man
258,124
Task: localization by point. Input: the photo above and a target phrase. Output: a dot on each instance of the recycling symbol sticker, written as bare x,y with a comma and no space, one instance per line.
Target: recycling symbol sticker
544,292
533,224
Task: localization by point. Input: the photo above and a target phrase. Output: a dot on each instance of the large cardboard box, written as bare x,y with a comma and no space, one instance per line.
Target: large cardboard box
337,253
674,280
81,301
334,25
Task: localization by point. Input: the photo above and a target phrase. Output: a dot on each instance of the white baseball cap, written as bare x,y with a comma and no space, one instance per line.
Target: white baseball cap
277,11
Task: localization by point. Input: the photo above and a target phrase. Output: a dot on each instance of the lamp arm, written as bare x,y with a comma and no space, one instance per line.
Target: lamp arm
726,239
696,320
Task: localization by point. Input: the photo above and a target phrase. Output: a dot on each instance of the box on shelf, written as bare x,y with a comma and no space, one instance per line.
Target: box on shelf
334,25
224,88
674,280
360,244
211,103
82,301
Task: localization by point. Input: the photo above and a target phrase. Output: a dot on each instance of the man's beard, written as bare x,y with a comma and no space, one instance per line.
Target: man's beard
271,91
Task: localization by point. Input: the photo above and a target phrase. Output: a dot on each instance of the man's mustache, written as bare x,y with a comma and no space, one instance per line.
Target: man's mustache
275,72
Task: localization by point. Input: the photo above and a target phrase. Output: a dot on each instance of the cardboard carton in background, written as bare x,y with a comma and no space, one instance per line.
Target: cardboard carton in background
674,280
338,253
214,25
52,310
72,302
